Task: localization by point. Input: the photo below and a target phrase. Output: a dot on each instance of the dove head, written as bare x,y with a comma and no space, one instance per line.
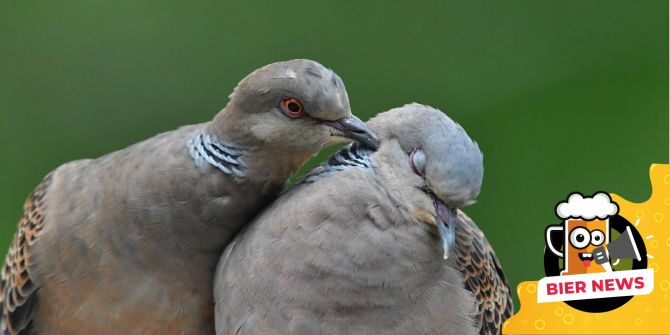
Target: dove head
430,162
294,106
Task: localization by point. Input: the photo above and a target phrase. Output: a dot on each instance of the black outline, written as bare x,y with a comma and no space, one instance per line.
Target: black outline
595,230
573,245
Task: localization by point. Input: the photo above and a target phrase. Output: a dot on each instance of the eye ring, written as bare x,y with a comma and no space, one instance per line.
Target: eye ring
597,237
292,108
417,160
580,238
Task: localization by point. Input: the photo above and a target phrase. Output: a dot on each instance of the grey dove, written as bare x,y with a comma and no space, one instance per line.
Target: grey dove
128,243
359,246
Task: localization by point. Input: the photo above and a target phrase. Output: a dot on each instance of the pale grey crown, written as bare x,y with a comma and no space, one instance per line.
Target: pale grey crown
320,90
454,164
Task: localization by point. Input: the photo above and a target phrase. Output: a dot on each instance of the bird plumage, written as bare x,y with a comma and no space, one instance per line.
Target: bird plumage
128,243
483,276
16,286
354,248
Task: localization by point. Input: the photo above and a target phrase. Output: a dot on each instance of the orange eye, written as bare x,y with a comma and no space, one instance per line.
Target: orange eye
292,107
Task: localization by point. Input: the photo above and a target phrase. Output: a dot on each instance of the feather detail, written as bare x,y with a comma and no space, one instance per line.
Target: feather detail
206,149
352,156
18,291
483,276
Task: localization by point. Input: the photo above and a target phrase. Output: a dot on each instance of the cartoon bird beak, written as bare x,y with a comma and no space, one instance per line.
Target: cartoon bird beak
353,128
446,225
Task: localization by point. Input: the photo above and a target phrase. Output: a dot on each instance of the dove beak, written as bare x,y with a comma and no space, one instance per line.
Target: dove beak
446,225
353,128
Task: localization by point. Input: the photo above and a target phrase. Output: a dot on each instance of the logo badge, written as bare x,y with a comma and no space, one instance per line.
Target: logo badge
606,267
594,253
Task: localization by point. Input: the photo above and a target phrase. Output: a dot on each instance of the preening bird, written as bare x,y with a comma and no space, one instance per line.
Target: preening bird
359,246
128,243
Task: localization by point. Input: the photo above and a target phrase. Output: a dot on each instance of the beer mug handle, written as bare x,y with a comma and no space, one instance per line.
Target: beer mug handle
549,230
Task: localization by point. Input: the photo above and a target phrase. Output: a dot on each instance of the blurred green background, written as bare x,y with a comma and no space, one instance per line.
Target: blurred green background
561,95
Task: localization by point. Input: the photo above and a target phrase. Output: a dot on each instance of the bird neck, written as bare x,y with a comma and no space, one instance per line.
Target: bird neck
229,145
351,156
208,149
267,170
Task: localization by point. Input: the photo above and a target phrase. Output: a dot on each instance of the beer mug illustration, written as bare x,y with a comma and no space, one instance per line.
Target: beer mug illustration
585,228
581,238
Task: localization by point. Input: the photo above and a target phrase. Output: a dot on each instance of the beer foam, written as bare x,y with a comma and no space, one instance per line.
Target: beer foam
577,206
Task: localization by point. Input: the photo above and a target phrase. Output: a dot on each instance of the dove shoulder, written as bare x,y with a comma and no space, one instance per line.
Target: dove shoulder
110,218
483,276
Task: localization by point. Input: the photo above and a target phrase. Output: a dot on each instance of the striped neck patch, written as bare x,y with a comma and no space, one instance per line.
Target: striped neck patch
353,156
206,149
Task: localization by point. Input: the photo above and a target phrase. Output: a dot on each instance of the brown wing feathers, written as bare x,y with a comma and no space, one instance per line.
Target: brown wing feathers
483,276
17,289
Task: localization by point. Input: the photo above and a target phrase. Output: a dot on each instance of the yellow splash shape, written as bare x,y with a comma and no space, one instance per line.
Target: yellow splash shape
645,314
